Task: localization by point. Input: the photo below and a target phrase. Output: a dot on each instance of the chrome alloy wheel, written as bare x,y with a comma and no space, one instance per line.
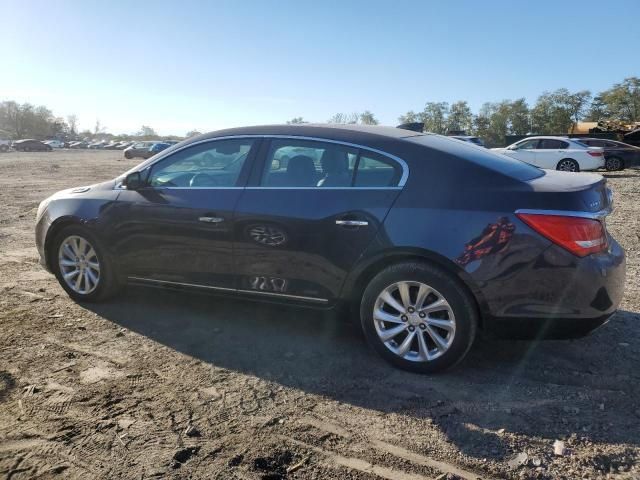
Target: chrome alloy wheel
79,264
567,166
414,321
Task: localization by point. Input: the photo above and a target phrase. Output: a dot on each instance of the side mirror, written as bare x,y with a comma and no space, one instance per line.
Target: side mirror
133,181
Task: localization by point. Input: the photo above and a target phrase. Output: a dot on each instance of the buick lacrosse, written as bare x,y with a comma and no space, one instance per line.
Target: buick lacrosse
424,238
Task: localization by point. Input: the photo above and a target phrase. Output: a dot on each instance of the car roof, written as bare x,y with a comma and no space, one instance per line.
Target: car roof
543,137
334,132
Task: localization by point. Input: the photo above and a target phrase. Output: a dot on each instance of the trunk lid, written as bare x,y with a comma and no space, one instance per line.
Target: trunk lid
579,192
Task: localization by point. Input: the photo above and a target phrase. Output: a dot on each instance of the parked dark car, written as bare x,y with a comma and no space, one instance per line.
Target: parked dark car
79,144
138,150
158,147
427,239
110,146
29,145
617,155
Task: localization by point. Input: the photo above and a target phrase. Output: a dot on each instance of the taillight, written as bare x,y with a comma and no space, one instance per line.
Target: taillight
581,236
595,154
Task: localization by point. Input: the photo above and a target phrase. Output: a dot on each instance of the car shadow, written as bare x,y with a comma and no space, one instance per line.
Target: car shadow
548,390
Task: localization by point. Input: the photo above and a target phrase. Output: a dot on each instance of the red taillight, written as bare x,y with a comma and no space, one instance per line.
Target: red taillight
595,154
581,236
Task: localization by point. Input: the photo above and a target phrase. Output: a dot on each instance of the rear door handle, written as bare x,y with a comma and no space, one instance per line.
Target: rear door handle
211,219
352,223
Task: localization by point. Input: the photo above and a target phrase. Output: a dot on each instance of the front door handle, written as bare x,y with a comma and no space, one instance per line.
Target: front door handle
211,219
352,223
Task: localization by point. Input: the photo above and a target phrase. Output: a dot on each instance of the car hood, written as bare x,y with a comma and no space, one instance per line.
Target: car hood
80,191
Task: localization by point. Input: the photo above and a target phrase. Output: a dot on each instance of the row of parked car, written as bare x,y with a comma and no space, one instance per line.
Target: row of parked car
569,154
144,149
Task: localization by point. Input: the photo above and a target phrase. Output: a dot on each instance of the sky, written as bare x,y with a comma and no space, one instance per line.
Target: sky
211,64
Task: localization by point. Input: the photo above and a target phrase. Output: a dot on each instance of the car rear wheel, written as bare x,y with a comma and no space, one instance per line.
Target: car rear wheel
568,165
81,265
127,155
613,164
418,317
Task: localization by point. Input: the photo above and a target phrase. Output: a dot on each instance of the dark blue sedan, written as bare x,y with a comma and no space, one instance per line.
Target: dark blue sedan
424,238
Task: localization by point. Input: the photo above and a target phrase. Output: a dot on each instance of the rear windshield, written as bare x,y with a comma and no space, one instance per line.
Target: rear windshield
481,156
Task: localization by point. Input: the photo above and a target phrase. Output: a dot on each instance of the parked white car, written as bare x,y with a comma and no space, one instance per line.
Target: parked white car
555,153
54,143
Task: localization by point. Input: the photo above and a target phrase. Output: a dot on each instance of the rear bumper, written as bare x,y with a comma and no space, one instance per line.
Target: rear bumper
566,296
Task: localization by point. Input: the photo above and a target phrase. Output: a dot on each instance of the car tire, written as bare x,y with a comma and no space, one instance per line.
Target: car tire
613,164
448,329
127,155
98,283
26,149
568,165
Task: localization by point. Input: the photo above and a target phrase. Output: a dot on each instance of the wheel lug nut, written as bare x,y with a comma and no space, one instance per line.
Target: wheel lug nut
422,314
422,326
404,318
412,328
411,310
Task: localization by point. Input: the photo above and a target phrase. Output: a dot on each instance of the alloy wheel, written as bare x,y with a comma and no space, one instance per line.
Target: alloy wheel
79,264
613,164
567,166
414,321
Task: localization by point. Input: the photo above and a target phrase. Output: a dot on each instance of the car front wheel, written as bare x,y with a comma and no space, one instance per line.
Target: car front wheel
418,317
81,265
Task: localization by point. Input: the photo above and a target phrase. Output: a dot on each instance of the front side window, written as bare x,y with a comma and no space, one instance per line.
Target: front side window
212,164
527,145
308,163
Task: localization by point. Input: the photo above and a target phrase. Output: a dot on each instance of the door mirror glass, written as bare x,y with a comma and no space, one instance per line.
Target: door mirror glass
133,181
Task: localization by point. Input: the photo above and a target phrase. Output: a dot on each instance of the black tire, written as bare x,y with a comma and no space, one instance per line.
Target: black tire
568,165
108,283
127,155
613,164
460,300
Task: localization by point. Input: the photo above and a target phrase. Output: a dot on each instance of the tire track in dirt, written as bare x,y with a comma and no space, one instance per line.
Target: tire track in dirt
361,442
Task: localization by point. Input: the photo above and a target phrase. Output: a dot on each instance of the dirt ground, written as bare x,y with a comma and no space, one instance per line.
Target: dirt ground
177,385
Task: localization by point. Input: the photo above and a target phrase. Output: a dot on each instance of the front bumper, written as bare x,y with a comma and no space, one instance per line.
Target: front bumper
43,223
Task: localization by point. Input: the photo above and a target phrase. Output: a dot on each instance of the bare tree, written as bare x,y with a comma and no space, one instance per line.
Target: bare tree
72,121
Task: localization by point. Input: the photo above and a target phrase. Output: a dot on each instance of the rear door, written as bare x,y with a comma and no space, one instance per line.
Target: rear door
550,151
311,209
179,228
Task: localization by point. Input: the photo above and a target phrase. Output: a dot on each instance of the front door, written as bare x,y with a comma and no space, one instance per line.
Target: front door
525,151
310,211
178,229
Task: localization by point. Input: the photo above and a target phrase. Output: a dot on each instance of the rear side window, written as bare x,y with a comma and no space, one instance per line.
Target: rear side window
308,163
552,144
374,170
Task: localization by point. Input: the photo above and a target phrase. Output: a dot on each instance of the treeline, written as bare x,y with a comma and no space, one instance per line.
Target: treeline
553,113
18,121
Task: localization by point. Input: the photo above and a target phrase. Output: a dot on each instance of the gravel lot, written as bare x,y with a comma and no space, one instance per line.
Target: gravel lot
168,385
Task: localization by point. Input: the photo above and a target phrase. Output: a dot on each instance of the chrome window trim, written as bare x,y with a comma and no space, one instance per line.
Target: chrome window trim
225,289
599,215
401,183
